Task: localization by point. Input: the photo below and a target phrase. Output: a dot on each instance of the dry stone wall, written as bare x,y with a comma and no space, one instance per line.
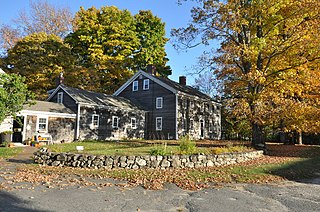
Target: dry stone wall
140,162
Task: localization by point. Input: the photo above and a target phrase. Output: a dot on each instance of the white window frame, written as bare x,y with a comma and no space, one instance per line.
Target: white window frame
93,124
160,127
38,123
60,97
133,123
160,105
146,84
113,122
135,85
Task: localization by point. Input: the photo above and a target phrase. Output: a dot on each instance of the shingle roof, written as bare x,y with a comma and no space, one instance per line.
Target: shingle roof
99,99
185,88
48,107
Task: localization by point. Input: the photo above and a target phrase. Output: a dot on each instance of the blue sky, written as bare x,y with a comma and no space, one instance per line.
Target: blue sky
169,11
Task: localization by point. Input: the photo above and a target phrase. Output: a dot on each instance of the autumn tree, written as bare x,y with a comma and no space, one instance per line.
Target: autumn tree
268,56
13,95
115,44
206,82
105,40
40,58
151,49
41,17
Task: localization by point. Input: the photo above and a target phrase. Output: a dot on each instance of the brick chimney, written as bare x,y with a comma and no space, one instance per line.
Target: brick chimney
183,80
60,79
151,69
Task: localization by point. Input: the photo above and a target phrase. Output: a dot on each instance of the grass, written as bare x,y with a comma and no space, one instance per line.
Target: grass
6,152
137,148
110,148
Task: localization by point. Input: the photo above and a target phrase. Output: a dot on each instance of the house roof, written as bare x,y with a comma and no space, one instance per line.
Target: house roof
51,107
96,99
185,88
171,85
1,71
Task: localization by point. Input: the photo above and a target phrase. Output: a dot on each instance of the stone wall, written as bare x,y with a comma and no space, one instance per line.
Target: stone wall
139,162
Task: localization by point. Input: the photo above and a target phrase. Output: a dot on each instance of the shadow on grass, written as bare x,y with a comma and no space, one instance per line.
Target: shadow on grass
297,151
22,161
9,202
303,170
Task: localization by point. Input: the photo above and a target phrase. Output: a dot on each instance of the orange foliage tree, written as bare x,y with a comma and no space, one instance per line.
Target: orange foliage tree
268,60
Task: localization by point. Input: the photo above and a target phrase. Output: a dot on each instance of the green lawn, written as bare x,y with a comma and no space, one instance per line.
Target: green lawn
6,152
135,148
111,148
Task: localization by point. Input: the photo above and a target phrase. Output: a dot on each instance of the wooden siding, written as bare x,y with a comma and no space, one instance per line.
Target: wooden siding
67,100
146,99
105,131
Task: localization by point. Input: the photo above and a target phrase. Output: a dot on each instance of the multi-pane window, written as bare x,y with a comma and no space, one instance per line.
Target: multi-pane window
146,84
60,97
95,120
135,86
133,123
43,124
115,121
159,102
158,123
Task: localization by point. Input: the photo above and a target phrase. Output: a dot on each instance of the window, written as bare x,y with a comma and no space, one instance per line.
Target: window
42,124
115,121
214,109
210,127
158,123
135,86
191,124
191,104
60,97
159,101
95,120
133,123
146,84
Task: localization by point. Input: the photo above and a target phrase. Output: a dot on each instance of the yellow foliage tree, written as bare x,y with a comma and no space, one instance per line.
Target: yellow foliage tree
268,58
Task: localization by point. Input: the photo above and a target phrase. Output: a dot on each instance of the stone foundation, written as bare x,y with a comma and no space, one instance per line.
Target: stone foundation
140,162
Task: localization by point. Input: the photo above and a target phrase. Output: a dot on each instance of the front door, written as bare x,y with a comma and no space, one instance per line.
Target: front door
201,128
17,129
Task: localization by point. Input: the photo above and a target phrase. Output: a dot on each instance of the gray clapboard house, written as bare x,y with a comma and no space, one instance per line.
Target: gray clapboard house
172,109
100,116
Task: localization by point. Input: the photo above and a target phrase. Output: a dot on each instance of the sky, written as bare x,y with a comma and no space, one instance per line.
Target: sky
169,11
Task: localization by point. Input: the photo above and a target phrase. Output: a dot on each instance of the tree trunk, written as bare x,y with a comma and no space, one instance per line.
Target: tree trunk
299,137
282,133
257,136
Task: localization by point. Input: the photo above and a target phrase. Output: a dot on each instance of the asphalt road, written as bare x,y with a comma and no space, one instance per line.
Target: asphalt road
289,196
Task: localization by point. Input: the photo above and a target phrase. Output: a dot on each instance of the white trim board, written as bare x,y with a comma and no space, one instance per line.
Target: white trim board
56,90
136,75
44,113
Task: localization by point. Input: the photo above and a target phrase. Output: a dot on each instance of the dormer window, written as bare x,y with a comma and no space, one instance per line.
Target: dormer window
146,84
60,98
135,86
